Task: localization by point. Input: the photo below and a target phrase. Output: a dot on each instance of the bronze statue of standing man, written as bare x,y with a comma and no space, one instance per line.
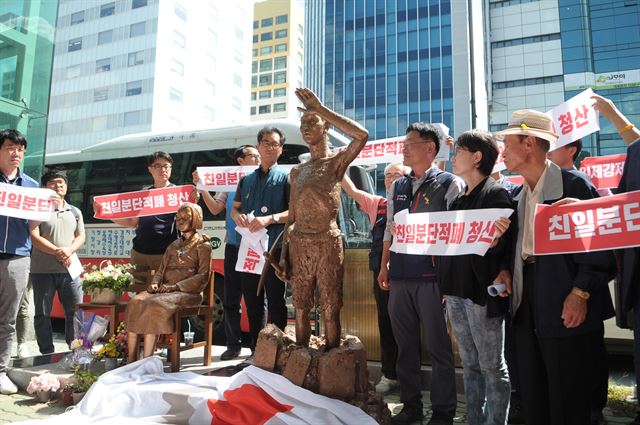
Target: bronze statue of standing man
312,254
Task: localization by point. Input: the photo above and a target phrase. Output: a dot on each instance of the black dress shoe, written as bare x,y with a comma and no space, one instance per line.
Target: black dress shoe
230,354
409,414
440,418
516,416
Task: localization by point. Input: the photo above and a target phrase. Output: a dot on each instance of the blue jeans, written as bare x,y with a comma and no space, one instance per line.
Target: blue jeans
481,346
69,293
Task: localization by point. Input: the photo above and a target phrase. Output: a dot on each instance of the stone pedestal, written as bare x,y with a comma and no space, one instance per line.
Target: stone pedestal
339,373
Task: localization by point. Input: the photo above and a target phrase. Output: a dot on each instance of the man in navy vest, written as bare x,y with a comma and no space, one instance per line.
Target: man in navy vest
414,296
265,192
245,155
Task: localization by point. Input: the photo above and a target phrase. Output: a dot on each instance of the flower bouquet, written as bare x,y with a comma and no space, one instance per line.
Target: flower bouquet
42,385
115,348
107,282
88,327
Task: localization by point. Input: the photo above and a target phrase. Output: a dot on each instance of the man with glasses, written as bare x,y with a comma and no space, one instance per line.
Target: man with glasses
153,233
376,207
54,243
245,155
414,295
265,193
15,250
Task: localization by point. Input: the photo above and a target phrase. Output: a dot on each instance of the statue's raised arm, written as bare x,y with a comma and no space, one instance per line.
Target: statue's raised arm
358,133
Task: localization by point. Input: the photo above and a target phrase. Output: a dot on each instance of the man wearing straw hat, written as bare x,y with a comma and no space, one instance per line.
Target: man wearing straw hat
556,300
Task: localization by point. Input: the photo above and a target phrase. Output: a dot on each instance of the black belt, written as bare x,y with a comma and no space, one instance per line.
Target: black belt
530,260
7,256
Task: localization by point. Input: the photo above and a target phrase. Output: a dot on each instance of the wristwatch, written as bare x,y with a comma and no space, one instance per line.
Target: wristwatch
579,292
276,218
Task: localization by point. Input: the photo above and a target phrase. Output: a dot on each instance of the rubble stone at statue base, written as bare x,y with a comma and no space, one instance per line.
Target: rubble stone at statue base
339,373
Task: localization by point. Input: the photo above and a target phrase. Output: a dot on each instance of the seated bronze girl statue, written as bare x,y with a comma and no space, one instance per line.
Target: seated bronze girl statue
177,284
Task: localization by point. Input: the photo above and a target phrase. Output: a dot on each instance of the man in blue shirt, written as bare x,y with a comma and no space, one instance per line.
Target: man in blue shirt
15,250
246,156
265,192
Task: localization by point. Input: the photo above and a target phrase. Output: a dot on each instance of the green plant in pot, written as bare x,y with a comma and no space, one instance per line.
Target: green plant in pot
82,382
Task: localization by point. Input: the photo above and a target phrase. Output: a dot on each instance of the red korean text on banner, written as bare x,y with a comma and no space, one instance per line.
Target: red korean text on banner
143,203
612,222
604,171
30,203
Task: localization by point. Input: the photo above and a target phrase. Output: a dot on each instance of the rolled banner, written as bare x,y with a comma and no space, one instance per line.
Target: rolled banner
496,288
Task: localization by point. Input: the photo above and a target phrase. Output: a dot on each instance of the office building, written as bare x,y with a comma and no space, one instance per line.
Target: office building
544,52
278,58
130,66
26,52
388,63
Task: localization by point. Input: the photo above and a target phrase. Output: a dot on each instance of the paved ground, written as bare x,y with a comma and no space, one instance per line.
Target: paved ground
22,406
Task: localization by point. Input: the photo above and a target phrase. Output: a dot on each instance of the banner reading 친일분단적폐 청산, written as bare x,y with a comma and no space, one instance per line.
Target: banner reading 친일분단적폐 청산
143,202
446,233
611,222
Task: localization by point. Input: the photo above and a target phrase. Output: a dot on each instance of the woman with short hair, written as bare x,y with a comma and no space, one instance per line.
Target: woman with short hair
477,318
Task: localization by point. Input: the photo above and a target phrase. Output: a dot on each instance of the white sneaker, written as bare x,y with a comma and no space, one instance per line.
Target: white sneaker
6,386
385,385
23,351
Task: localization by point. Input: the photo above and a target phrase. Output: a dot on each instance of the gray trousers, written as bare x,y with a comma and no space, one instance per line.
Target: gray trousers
14,274
411,304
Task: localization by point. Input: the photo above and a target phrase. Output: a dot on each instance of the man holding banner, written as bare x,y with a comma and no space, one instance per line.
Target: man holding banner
15,243
627,289
264,195
414,296
244,156
154,233
555,298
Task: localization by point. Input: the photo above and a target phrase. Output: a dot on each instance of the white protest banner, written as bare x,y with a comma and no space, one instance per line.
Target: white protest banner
30,203
574,119
225,179
446,233
252,246
386,151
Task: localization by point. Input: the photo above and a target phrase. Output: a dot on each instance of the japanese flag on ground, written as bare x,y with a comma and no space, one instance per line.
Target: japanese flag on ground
141,393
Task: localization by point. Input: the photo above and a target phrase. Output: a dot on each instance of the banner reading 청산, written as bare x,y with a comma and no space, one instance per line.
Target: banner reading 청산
143,202
611,222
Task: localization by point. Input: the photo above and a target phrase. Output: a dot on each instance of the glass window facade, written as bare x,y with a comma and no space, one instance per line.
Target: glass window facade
25,74
603,37
388,64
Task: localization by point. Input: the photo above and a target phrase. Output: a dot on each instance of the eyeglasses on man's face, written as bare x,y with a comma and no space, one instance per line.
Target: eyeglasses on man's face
270,144
409,145
393,176
252,155
161,167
